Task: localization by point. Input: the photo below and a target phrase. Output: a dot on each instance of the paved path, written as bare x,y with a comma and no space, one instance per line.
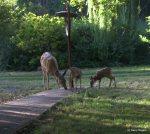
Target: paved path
18,113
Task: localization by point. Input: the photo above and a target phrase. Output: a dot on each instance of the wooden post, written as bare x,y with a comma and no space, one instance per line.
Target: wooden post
69,42
69,35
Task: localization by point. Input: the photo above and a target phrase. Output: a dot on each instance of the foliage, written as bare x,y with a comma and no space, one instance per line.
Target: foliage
144,48
148,29
116,29
145,10
82,48
80,6
41,7
7,28
147,32
109,35
37,34
104,47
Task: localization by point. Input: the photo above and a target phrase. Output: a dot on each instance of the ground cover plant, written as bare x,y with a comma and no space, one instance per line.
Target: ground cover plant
125,109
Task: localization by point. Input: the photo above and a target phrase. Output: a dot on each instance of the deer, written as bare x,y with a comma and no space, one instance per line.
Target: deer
74,74
49,66
104,72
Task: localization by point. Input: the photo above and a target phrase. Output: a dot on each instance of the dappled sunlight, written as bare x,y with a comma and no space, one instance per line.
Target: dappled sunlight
105,110
18,84
147,68
16,113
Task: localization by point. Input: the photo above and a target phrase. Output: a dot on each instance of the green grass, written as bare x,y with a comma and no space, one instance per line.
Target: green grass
18,84
121,110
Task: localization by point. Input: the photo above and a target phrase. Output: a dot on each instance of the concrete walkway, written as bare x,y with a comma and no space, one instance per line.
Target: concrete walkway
18,113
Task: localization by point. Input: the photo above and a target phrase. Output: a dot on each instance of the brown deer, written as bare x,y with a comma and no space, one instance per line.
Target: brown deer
104,72
49,65
74,74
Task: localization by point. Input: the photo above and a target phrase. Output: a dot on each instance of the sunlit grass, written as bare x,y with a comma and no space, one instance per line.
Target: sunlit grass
121,110
18,84
97,111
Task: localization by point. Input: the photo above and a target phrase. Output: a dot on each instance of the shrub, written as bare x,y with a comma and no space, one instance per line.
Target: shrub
94,46
7,29
110,40
37,34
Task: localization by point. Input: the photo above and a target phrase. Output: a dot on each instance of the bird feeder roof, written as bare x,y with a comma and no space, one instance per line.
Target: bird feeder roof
65,14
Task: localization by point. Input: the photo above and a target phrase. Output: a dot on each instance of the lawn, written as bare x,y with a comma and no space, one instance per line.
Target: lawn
15,85
121,110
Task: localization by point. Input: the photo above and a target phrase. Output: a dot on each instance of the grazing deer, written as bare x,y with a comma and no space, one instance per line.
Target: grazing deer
49,65
74,74
104,72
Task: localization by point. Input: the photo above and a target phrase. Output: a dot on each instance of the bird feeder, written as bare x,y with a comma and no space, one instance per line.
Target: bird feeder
67,16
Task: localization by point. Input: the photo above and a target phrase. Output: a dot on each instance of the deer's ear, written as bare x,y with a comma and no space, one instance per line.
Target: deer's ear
64,73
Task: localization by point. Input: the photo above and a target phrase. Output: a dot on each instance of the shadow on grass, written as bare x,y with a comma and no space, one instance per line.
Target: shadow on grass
92,116
18,113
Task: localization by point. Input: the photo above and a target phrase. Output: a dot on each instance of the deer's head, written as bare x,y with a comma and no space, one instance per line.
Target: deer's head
62,80
92,81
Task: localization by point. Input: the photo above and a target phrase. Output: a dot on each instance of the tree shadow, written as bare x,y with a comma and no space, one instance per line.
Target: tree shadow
16,114
118,118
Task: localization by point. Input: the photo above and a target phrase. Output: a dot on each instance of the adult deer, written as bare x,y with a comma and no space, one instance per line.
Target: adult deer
49,65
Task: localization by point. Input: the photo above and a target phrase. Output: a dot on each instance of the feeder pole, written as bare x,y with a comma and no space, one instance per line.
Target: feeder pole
67,14
69,32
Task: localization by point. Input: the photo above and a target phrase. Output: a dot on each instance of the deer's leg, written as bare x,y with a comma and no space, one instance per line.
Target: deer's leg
111,78
110,83
114,81
57,80
80,82
58,83
44,79
70,81
76,83
99,83
71,85
47,81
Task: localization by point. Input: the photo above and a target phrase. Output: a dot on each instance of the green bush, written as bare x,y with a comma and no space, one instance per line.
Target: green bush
143,49
7,29
38,34
41,7
111,39
96,46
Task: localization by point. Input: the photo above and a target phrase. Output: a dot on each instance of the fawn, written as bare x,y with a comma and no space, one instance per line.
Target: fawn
104,72
74,74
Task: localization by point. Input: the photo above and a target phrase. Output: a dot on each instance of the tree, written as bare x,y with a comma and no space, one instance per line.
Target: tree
145,10
7,29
